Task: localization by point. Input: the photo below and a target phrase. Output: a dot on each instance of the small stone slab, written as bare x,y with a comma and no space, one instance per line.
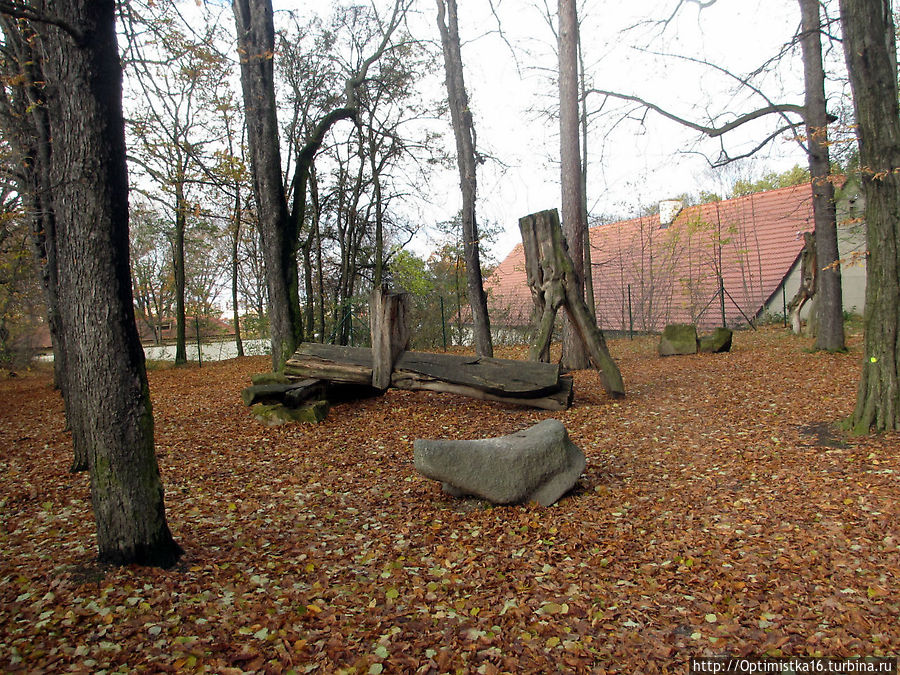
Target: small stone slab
291,393
537,464
274,415
718,342
269,378
677,339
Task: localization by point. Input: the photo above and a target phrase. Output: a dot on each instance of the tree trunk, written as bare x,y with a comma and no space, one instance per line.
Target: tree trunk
107,379
320,274
829,303
464,131
871,53
574,355
588,267
235,268
256,49
178,264
390,333
550,272
31,143
808,271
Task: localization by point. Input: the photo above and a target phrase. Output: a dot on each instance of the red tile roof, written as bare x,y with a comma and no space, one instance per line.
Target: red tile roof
672,272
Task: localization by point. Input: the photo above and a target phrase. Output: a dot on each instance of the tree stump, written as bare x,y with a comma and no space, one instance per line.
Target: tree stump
551,277
390,333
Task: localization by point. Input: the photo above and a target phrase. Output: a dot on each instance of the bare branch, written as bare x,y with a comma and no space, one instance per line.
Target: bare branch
744,81
712,131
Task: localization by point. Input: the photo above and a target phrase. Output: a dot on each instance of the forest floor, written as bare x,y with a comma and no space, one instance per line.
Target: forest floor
721,512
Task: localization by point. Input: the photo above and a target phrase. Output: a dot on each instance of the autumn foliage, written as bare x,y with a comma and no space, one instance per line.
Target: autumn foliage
720,513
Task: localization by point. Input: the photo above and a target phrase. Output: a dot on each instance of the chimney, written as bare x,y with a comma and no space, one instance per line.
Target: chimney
668,211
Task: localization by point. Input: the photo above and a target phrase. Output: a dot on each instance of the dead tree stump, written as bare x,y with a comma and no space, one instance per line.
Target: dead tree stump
807,281
390,333
551,277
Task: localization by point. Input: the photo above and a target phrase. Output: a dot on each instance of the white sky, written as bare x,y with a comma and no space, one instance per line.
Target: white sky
632,165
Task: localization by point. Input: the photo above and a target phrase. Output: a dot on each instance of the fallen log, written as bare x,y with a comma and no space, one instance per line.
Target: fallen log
561,399
330,362
528,383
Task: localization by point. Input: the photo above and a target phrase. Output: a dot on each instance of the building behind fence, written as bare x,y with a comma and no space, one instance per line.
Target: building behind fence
722,263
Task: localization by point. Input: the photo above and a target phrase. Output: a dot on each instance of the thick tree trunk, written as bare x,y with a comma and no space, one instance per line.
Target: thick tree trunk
107,380
464,131
256,49
31,143
870,50
829,302
574,355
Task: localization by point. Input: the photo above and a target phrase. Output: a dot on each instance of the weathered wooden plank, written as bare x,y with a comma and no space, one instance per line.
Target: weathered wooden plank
529,383
330,362
560,399
390,333
275,392
502,377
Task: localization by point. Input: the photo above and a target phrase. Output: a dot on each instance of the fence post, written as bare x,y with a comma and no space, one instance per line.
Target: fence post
783,306
630,316
199,357
722,298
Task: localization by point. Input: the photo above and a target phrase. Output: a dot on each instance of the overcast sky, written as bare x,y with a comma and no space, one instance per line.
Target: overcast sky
633,164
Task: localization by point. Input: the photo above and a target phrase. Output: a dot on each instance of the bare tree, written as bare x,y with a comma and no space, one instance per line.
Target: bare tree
813,115
871,52
280,228
467,160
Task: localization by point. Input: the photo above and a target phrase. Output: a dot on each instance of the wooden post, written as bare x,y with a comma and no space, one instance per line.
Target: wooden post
390,333
551,277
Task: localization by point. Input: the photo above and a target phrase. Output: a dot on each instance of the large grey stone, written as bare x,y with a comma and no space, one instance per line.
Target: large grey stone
678,338
536,464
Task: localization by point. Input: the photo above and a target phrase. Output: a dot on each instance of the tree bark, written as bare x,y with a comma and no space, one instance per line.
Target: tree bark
107,378
256,49
550,272
870,50
390,333
829,303
31,143
235,267
574,355
467,161
808,271
588,266
178,265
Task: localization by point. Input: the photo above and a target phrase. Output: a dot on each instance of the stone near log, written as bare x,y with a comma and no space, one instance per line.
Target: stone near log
677,339
274,415
536,464
718,342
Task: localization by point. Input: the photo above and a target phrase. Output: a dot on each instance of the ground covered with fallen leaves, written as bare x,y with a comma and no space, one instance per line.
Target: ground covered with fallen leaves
721,512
